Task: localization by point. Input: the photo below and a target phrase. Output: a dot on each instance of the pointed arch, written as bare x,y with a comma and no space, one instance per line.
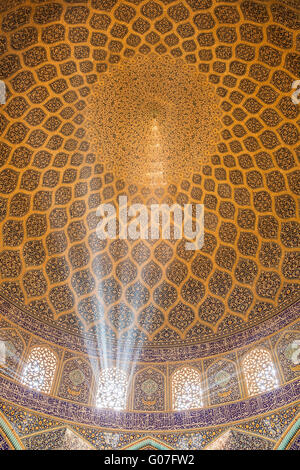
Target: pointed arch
12,347
148,443
75,379
149,390
223,383
186,389
287,354
112,389
259,371
39,369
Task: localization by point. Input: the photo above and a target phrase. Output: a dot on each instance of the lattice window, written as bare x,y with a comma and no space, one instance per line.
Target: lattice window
259,371
186,389
40,369
112,389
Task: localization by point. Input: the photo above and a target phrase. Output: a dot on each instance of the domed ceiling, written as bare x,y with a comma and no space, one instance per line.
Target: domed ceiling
91,83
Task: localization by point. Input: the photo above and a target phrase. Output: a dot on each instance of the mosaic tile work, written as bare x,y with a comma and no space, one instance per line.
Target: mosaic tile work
56,58
295,444
55,436
149,390
145,421
223,382
77,343
75,380
236,440
140,120
228,65
287,354
4,445
217,379
58,439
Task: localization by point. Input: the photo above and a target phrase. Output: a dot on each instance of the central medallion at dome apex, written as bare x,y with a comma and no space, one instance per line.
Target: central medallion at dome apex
153,118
